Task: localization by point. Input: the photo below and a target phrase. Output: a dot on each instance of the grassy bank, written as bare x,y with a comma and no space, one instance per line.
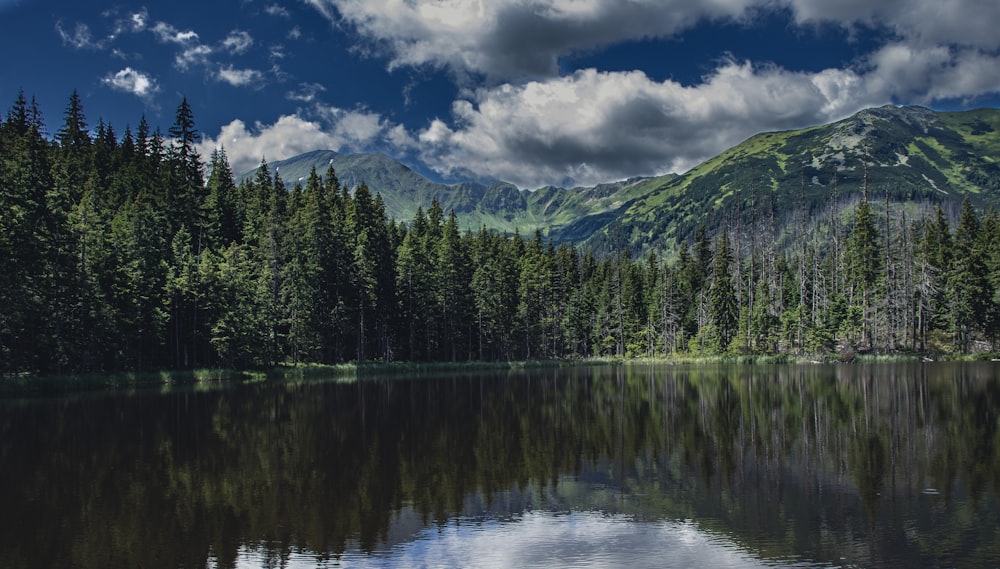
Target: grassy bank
214,378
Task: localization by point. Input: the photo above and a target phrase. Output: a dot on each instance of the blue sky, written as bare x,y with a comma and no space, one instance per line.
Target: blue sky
535,92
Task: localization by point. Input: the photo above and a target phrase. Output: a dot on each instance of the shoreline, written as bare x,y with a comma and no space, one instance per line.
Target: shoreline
27,383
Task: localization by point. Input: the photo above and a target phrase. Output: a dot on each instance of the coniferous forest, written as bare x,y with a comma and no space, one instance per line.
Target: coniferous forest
124,251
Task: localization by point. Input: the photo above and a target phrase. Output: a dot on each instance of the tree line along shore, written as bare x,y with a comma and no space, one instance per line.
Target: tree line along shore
125,252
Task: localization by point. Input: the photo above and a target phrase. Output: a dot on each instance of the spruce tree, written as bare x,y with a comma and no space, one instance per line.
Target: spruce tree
723,311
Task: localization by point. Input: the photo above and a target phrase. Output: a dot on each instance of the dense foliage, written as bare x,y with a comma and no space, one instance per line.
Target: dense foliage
117,253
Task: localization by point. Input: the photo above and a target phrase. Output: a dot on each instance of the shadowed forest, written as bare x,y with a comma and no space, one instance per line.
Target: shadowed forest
127,252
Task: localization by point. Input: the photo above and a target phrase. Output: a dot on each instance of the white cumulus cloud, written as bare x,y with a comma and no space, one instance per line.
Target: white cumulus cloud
239,77
514,38
592,126
961,22
332,128
532,125
129,80
237,42
526,38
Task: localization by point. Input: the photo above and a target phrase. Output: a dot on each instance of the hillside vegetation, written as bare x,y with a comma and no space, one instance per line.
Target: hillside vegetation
918,157
914,155
117,254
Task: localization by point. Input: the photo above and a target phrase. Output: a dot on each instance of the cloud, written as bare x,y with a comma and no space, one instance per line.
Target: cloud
519,40
924,74
237,42
353,129
133,22
80,38
531,125
288,136
138,20
306,92
332,128
169,34
129,80
593,127
515,38
966,23
192,52
277,11
239,77
196,54
324,7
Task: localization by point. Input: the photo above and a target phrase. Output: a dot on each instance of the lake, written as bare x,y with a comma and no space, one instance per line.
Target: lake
882,465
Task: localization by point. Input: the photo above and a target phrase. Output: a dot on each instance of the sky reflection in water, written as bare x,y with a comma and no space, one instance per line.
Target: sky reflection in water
585,540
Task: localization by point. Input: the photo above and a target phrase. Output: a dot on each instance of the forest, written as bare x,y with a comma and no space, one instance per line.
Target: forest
129,253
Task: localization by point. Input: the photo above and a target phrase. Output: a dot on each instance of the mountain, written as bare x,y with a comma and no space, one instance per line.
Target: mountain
915,156
499,206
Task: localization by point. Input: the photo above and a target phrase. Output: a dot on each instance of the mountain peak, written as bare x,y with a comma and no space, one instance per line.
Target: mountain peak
921,117
914,154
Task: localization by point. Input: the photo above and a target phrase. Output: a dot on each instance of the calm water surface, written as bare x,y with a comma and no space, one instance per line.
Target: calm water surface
619,466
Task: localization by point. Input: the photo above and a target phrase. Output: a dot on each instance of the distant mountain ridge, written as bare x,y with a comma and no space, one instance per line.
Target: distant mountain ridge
916,155
497,206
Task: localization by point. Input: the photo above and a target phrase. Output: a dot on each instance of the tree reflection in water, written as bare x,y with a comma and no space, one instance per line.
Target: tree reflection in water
880,465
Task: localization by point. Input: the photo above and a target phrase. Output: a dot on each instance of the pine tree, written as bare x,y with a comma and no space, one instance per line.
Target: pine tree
65,288
25,175
967,283
863,263
371,274
414,284
723,311
239,332
452,280
224,215
187,187
533,296
989,245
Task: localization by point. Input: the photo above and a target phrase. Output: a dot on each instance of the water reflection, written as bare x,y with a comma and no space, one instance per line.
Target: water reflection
888,465
537,539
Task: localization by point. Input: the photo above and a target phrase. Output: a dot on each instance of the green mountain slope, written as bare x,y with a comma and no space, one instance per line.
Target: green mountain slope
918,156
578,212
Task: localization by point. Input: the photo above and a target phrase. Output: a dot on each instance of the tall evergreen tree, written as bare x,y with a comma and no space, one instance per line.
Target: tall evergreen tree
187,188
967,282
224,211
863,264
414,285
723,310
